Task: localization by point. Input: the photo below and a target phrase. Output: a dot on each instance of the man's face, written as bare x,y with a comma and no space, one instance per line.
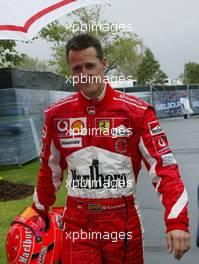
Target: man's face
88,71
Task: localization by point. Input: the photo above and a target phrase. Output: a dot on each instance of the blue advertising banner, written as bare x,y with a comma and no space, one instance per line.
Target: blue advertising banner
167,103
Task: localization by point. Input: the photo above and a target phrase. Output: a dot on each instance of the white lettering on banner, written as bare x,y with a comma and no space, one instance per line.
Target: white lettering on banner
195,103
168,105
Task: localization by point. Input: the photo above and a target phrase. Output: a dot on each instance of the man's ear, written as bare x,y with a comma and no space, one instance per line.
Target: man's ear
104,62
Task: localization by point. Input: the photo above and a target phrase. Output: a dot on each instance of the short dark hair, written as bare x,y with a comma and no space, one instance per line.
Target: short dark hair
84,41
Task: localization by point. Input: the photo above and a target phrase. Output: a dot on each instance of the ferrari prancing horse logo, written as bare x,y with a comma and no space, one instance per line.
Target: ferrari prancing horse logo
104,125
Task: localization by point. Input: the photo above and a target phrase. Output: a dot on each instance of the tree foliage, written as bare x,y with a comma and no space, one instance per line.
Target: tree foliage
121,48
33,64
191,73
149,71
8,54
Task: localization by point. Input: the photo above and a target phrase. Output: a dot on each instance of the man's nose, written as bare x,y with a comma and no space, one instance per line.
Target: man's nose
85,71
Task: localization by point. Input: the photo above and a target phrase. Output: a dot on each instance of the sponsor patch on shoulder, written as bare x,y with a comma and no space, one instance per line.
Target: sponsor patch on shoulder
155,128
168,159
161,143
71,142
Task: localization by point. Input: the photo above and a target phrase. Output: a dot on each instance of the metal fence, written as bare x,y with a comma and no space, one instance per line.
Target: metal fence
21,122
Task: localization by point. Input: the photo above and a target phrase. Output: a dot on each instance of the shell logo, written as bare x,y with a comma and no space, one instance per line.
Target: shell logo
77,125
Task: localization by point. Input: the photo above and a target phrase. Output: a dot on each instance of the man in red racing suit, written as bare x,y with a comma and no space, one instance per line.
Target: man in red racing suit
102,141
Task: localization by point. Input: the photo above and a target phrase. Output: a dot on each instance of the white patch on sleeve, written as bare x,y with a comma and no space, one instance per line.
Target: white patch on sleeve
152,162
54,164
179,205
168,159
38,205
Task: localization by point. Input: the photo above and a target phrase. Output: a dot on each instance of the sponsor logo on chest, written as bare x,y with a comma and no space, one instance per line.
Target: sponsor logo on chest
70,126
99,127
113,127
97,180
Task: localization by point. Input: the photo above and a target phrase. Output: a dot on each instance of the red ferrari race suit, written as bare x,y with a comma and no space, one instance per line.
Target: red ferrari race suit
102,143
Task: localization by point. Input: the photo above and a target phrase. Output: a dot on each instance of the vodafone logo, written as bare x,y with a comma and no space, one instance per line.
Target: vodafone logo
62,125
69,126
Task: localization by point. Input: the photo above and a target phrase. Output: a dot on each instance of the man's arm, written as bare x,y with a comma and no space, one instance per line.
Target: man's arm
163,170
50,174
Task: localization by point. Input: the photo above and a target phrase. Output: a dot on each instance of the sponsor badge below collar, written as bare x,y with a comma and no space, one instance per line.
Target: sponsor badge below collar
91,110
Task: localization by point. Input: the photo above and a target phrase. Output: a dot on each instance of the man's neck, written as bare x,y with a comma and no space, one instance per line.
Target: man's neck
99,97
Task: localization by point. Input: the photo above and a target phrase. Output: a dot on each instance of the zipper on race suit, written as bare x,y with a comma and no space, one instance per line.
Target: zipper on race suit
90,130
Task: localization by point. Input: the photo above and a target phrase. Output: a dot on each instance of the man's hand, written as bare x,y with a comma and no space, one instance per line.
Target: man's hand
179,242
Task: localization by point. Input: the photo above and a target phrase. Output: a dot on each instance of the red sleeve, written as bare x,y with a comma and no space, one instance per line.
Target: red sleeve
50,174
164,173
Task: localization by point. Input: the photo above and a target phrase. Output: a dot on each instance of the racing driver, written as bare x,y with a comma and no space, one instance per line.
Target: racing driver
101,136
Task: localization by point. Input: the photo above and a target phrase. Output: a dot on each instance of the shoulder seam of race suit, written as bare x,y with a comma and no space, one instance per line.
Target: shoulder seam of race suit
62,102
130,99
125,101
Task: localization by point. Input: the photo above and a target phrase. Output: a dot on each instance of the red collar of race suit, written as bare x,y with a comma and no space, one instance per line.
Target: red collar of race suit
109,92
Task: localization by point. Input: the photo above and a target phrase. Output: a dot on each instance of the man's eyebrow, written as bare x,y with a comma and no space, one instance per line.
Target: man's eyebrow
90,64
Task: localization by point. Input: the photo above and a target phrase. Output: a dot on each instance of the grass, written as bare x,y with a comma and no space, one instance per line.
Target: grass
8,210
